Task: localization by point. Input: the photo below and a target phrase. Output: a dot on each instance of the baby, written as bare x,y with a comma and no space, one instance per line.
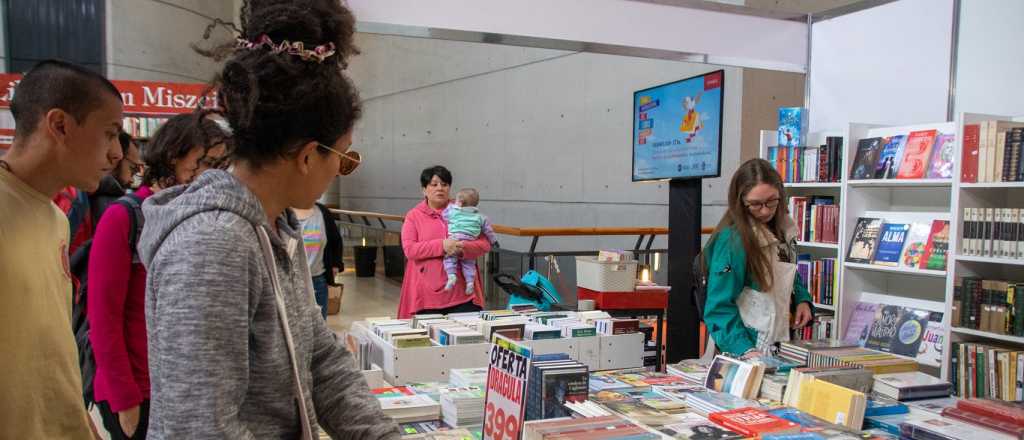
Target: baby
465,223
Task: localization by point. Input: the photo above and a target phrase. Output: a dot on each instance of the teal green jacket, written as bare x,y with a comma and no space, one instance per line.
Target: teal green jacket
727,276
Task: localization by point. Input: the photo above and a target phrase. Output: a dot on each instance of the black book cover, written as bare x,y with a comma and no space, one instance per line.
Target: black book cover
865,239
868,151
560,386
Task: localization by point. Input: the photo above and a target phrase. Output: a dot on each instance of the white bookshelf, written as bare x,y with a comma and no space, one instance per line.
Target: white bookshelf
769,138
978,195
896,269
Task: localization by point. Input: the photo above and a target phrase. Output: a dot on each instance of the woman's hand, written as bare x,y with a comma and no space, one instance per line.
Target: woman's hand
129,420
752,354
452,247
803,315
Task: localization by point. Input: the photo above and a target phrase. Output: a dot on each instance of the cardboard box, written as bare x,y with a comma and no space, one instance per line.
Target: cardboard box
334,299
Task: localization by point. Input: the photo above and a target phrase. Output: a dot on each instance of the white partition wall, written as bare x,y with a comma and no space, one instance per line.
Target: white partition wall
887,64
989,65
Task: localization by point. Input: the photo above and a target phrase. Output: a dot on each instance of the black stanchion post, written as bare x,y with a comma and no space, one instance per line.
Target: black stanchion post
684,222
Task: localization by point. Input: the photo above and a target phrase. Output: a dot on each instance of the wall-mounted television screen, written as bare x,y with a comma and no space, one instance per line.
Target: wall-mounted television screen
677,129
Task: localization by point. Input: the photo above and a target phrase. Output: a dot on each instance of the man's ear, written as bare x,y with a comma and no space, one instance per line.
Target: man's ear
56,123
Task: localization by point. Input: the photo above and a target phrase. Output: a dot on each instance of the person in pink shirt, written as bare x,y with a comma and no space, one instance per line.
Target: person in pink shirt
184,147
426,243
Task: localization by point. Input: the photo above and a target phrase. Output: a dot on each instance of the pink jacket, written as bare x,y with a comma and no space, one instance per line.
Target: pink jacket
116,312
423,235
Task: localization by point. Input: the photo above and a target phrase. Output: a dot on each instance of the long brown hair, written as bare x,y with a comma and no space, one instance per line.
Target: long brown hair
750,174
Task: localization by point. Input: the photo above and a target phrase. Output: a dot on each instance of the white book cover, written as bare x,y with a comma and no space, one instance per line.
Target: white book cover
909,380
913,249
729,376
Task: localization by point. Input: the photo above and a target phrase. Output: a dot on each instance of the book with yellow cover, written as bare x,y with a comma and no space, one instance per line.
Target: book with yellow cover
832,402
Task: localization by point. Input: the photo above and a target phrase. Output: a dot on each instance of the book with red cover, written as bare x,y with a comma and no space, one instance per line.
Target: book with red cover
935,252
392,392
916,154
986,421
993,408
753,422
969,167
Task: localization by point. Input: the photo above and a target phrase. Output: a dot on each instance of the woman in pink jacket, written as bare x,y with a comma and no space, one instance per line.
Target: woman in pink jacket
184,147
426,243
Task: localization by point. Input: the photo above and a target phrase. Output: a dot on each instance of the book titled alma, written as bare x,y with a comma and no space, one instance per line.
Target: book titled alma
753,422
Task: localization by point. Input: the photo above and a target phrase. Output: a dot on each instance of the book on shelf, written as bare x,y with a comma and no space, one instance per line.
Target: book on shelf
994,306
987,370
819,276
936,252
792,128
141,126
816,218
821,327
943,154
552,384
753,422
917,241
992,152
868,151
865,240
617,326
890,157
917,154
798,164
905,331
890,244
733,376
993,232
970,156
911,386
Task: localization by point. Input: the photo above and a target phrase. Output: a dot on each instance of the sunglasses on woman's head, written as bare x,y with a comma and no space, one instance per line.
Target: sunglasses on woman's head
350,160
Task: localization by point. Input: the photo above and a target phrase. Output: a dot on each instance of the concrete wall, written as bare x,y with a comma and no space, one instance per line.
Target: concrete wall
149,40
544,135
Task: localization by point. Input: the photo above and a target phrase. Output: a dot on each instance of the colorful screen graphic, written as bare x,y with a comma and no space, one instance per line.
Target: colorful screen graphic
677,129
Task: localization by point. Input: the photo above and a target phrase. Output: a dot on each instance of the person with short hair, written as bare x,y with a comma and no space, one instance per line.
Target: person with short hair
67,120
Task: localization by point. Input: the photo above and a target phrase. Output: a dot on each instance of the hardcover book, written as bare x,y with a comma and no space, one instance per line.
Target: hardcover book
753,422
865,238
792,126
864,162
890,244
916,154
889,159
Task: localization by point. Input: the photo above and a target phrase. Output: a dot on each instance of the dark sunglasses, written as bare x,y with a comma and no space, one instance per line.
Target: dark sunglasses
350,160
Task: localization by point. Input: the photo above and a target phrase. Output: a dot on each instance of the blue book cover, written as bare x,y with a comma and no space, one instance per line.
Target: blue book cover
879,407
792,126
892,154
890,244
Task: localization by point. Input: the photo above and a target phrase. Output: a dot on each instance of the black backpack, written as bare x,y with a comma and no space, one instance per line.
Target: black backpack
699,290
79,263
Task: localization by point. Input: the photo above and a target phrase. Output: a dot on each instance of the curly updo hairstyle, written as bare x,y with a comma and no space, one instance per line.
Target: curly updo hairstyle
276,102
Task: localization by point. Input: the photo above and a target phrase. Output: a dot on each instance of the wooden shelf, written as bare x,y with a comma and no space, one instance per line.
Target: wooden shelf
901,183
812,185
896,269
814,244
990,260
991,185
989,335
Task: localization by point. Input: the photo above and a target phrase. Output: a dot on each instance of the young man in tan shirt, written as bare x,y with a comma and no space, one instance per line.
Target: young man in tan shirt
67,122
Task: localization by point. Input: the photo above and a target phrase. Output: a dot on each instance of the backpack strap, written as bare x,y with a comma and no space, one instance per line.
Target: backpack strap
133,203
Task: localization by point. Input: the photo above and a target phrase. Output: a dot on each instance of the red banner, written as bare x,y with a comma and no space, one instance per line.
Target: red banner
140,97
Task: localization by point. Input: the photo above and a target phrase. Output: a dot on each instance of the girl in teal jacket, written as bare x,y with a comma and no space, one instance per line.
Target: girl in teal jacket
752,282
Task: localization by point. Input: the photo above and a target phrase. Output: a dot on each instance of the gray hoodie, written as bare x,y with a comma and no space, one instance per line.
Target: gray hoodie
218,361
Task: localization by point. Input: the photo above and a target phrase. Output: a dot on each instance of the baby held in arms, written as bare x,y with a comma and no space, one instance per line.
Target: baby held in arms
465,223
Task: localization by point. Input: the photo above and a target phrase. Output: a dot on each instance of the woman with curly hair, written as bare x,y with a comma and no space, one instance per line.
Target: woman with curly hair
237,346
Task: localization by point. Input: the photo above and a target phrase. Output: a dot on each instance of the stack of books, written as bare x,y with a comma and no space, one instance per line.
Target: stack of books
773,386
552,383
459,336
617,326
605,381
911,386
512,328
594,428
821,429
992,152
875,361
993,414
540,331
800,351
703,401
693,370
693,426
462,406
831,402
849,377
753,422
405,406
816,218
468,377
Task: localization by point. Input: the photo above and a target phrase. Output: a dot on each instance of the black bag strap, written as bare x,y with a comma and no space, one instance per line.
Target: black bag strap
133,203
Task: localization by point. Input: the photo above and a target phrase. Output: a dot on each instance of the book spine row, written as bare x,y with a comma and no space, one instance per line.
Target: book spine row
808,164
993,232
992,152
141,127
820,278
816,218
823,327
992,306
986,371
